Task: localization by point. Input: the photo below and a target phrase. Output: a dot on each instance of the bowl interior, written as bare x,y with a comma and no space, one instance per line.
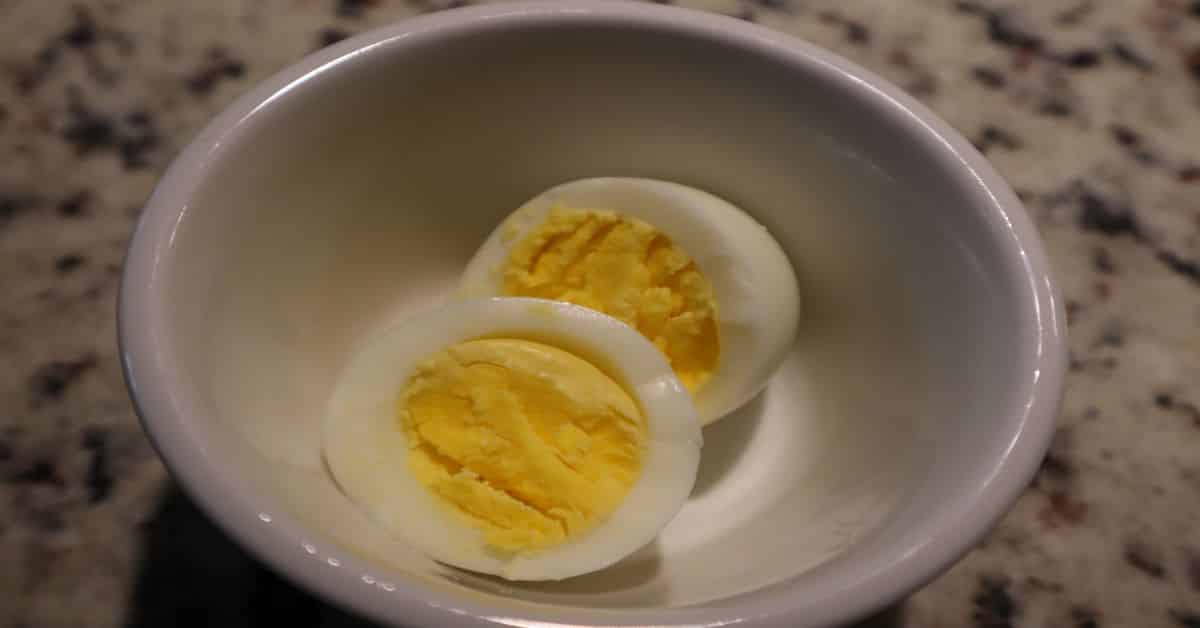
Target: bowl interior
356,196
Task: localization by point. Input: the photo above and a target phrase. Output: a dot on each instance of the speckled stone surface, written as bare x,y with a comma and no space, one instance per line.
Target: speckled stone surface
1091,109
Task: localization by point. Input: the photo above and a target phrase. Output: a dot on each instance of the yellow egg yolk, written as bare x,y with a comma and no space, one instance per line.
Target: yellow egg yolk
629,270
532,444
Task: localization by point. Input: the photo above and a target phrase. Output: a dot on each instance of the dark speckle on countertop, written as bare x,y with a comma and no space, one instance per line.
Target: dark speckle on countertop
1106,217
82,33
1186,619
11,205
786,6
216,66
40,471
131,139
1080,59
1133,144
87,130
994,607
352,8
1191,59
995,137
1102,261
1183,408
854,31
1144,559
1090,109
99,476
989,77
1056,466
1193,569
1055,107
1003,31
330,35
1062,509
1082,617
74,205
1185,268
68,262
51,381
1129,55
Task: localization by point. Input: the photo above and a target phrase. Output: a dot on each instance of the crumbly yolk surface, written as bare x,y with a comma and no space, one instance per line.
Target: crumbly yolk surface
629,270
532,444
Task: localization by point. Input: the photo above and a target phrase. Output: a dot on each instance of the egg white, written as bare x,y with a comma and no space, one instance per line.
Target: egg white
367,451
757,294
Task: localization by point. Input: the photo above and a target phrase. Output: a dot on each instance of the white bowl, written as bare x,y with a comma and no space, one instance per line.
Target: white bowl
351,188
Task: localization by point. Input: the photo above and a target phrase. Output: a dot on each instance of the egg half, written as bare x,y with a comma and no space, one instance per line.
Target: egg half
530,439
697,276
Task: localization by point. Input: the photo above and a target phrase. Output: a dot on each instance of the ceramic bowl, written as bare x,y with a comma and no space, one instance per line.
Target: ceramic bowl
351,189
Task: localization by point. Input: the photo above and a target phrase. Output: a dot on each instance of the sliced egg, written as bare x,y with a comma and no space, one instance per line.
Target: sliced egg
525,438
700,278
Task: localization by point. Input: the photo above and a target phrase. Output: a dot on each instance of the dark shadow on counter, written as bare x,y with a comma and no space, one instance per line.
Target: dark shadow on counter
193,576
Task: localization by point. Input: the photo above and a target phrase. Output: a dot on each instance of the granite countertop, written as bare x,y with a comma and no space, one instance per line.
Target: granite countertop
1090,108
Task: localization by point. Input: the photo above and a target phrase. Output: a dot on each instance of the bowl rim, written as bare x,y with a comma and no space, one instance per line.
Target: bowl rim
150,365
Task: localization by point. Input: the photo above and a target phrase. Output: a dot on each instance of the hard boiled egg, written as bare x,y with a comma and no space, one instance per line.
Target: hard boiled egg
525,438
700,278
